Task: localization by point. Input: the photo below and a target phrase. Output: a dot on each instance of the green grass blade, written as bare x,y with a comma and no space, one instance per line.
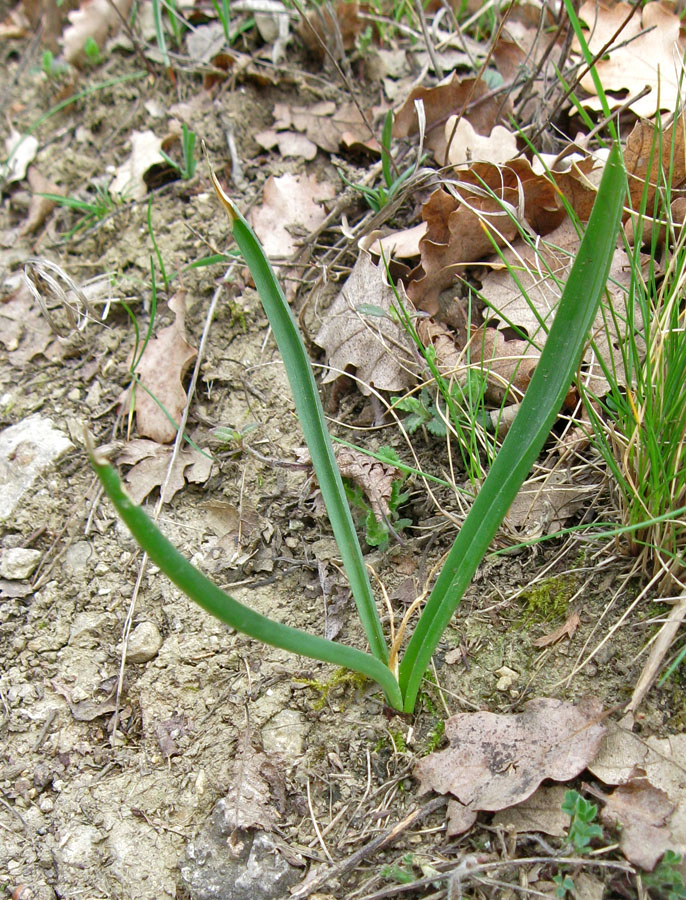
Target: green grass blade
311,415
540,406
215,601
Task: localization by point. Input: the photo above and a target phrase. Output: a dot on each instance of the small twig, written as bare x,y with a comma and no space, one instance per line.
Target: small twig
431,50
383,840
660,649
317,830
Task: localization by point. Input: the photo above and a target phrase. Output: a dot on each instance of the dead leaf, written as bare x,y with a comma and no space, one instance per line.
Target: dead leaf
542,812
325,123
375,478
465,145
150,464
495,761
396,245
15,25
541,274
168,732
662,759
129,180
94,19
40,207
273,23
292,208
289,143
257,788
482,208
160,371
650,45
453,96
289,202
24,330
358,333
21,151
644,162
567,629
545,503
320,29
641,813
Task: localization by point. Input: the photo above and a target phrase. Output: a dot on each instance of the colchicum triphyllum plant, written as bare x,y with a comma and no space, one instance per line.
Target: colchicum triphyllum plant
398,673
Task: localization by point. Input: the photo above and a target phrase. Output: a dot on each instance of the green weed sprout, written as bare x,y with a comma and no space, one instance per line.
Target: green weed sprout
582,828
400,679
187,169
93,211
378,197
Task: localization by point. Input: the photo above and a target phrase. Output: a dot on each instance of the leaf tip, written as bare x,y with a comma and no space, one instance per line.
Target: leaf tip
224,198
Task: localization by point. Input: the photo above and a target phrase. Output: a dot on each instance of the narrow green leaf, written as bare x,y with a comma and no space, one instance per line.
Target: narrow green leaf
215,601
312,420
540,406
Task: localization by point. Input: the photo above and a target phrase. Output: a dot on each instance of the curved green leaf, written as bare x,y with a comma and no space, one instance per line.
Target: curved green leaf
539,408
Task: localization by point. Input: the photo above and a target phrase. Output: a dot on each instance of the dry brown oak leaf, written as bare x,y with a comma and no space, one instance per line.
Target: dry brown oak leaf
647,53
644,162
160,372
492,199
373,347
452,97
495,761
290,204
641,813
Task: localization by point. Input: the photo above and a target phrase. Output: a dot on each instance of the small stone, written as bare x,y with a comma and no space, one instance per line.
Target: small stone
506,678
78,554
18,563
26,451
144,643
285,733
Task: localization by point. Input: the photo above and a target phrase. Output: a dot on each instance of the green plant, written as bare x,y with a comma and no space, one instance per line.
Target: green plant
92,211
377,533
399,679
400,873
55,69
187,168
640,426
393,180
666,881
582,828
223,10
92,51
564,884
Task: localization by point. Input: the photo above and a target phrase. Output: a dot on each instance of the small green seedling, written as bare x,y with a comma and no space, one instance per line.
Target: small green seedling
92,51
223,10
378,532
401,874
666,881
582,828
393,180
187,168
564,885
93,211
55,69
399,677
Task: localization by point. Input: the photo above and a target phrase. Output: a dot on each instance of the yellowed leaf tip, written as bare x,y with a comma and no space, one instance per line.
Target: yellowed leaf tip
225,200
96,454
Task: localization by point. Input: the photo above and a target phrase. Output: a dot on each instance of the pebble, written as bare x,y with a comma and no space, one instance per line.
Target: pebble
26,450
144,643
285,733
18,563
506,678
